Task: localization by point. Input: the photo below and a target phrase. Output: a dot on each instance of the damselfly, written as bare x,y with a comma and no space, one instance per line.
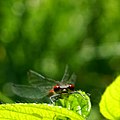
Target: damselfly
40,86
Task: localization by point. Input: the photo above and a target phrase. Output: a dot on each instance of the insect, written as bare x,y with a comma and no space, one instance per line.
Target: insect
40,86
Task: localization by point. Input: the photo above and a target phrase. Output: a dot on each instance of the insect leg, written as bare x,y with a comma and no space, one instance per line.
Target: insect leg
54,97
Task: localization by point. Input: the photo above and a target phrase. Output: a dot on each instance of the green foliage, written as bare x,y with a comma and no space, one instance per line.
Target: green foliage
5,99
33,111
110,102
45,35
74,107
78,102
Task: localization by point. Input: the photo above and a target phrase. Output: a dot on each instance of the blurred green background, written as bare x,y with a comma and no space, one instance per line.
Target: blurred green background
45,35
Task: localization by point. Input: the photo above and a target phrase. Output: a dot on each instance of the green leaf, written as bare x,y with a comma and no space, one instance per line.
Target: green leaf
78,102
5,99
32,111
110,101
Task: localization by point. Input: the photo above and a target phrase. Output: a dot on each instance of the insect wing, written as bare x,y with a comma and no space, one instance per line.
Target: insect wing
37,80
72,79
66,74
30,91
67,78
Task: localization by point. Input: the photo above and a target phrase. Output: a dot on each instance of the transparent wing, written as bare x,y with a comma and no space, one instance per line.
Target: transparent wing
72,79
37,80
30,91
67,78
66,75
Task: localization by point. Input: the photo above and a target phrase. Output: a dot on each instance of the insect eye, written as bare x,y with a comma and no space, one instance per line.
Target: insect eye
71,87
56,88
